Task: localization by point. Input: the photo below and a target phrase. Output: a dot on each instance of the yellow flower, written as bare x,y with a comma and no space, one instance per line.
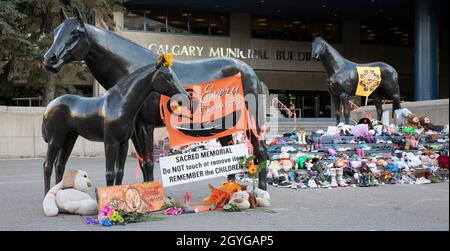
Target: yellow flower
167,59
252,169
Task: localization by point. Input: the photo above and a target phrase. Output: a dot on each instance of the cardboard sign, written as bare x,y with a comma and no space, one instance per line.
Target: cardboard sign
217,109
190,167
139,198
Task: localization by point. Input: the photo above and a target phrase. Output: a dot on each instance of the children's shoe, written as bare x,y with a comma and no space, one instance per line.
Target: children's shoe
312,184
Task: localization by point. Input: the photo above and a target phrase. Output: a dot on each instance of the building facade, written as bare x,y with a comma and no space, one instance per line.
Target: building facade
275,40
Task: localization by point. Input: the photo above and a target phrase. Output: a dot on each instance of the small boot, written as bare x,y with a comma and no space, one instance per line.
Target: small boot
334,184
340,178
363,154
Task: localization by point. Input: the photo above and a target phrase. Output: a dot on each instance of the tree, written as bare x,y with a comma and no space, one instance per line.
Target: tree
26,28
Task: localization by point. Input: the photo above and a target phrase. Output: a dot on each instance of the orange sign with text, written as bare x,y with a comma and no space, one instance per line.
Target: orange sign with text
216,109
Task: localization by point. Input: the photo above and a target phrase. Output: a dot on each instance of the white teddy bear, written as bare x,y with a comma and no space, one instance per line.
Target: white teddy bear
240,199
262,197
70,196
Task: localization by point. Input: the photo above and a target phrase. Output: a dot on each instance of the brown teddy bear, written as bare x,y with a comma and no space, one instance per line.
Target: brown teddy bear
425,123
412,121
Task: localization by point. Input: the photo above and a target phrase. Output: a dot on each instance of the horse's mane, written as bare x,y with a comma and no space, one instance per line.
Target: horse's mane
117,38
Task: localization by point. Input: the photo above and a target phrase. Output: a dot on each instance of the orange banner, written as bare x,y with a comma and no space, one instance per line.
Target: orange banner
216,109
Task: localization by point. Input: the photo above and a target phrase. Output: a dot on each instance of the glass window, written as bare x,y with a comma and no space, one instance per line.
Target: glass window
175,21
155,20
219,24
279,29
260,27
294,29
133,20
199,23
179,22
395,35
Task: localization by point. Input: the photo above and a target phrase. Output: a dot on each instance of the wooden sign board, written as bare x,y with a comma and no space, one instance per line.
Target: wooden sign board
138,198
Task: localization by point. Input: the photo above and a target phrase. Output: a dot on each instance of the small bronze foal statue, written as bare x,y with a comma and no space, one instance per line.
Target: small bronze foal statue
109,118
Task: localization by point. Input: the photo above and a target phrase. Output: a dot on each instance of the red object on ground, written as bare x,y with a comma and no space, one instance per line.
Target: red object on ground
443,161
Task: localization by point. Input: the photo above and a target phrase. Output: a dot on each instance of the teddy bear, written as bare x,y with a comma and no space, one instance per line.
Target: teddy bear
412,121
262,197
70,195
425,123
413,161
240,199
401,115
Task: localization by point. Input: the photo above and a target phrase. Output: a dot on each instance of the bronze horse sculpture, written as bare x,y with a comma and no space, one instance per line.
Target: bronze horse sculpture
343,79
108,118
110,57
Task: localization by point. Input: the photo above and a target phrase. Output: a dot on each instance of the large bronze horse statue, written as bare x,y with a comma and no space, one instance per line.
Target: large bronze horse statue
111,57
109,118
343,79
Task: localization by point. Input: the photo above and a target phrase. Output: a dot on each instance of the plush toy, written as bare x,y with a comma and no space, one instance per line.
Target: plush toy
425,123
240,199
412,160
262,197
70,195
401,115
412,121
220,197
367,122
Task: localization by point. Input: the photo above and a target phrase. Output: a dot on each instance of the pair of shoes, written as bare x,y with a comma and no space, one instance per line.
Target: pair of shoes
312,184
422,181
285,184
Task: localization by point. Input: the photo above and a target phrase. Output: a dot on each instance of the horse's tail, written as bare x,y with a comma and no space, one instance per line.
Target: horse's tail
396,95
44,132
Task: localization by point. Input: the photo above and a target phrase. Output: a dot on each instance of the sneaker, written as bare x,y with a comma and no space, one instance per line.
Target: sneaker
422,181
285,184
312,184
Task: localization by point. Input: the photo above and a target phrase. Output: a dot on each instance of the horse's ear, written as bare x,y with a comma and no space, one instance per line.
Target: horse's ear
62,14
77,13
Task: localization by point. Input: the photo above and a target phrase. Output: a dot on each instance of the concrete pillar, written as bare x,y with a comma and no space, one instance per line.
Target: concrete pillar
426,50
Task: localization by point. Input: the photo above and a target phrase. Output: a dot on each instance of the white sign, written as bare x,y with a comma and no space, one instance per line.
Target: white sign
190,167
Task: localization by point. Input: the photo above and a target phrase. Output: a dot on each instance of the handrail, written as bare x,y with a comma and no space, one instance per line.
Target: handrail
357,109
289,112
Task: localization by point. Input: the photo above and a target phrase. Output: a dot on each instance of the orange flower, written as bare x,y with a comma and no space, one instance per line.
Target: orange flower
252,169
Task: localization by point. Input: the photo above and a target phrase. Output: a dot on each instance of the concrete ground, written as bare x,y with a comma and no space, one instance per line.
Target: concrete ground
389,207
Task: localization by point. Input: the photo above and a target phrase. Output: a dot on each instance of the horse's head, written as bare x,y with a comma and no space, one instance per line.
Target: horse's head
166,82
318,47
70,42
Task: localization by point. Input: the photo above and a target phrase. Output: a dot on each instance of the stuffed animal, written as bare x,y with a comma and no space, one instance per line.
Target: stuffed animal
425,123
70,195
262,197
412,121
240,199
401,115
411,160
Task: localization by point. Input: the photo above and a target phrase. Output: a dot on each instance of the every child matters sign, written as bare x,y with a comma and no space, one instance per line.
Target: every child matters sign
190,167
216,109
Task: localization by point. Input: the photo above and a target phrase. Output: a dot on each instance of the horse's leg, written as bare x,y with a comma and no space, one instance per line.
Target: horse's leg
378,102
260,151
111,154
337,106
344,101
149,164
138,140
64,155
225,141
122,157
52,152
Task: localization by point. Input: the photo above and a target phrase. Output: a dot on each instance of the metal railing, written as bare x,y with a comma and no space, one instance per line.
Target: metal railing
291,114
